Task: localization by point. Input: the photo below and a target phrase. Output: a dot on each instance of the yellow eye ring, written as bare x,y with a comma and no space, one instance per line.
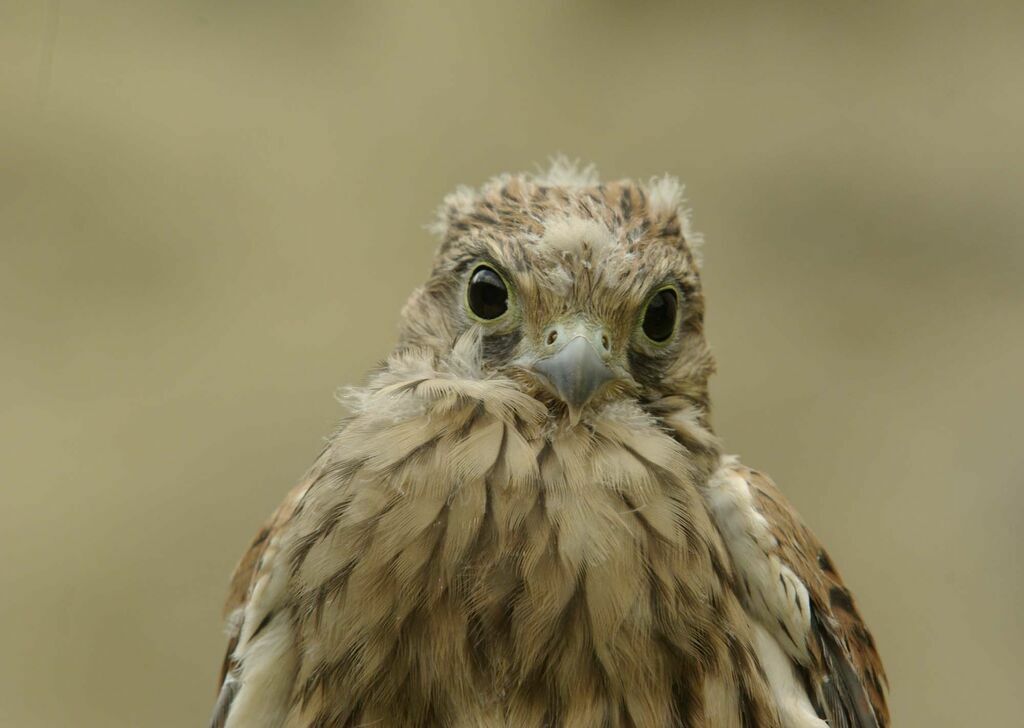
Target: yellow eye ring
661,314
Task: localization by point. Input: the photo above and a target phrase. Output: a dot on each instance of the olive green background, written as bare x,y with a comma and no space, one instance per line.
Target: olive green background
211,213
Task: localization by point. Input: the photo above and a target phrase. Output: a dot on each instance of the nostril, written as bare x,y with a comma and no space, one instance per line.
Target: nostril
604,342
552,337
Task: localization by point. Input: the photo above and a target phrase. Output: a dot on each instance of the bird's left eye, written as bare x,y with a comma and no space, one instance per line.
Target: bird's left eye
487,296
660,316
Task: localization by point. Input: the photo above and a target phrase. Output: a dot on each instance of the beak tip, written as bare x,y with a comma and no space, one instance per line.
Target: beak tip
575,415
575,373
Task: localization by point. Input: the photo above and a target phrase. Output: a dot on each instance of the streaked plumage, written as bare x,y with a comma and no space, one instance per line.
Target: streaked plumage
528,521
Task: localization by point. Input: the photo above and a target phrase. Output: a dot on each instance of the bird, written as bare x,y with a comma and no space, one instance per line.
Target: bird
525,518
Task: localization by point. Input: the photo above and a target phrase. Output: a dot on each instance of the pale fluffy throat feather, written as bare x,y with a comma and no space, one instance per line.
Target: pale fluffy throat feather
462,561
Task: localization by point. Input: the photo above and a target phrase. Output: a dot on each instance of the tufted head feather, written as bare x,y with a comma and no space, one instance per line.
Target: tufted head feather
661,200
573,251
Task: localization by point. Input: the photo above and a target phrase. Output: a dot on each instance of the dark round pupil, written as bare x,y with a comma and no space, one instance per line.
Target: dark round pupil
488,297
660,317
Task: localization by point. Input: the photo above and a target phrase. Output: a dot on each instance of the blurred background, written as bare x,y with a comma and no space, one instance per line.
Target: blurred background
211,213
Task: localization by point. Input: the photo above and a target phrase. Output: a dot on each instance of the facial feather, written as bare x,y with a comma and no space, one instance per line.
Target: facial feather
587,250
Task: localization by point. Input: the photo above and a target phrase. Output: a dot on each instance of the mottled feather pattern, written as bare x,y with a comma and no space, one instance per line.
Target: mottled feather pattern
803,601
566,549
465,553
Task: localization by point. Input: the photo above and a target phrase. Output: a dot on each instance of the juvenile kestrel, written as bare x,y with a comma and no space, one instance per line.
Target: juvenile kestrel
527,520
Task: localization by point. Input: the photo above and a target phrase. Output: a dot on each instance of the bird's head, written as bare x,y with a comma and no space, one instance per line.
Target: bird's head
584,293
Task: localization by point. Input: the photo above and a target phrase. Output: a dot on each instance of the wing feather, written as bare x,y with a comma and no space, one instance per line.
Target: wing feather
239,591
784,570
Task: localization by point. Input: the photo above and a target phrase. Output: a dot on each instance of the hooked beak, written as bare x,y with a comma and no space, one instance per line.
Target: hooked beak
576,372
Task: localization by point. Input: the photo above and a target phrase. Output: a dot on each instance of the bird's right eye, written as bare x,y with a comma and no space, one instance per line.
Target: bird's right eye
487,296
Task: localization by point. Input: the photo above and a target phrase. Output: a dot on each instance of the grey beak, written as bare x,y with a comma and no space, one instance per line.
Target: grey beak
575,372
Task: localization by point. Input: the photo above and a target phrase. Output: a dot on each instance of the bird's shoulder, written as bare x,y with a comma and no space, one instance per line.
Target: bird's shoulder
790,585
240,589
242,577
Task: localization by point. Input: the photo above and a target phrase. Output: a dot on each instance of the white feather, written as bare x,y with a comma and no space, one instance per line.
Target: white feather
791,699
565,172
569,234
778,595
269,665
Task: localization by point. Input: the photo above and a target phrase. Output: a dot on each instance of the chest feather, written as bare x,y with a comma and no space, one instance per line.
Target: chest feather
468,570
